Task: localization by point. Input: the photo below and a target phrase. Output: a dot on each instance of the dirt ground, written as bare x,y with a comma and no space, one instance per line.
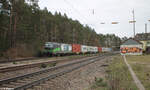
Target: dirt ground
81,79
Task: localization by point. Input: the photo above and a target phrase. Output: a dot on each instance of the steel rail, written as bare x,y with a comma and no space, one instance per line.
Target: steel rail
13,68
22,59
28,85
40,71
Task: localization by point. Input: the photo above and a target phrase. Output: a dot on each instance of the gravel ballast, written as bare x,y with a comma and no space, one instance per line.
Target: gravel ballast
80,79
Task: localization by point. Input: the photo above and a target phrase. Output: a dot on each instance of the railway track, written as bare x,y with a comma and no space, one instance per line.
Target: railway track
23,59
31,79
20,67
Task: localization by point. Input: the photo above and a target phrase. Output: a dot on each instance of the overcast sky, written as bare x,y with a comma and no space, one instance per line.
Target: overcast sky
93,12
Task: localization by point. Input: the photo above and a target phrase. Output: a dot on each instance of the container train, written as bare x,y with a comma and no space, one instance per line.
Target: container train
56,49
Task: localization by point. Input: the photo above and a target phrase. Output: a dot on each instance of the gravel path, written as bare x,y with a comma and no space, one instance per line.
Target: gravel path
135,78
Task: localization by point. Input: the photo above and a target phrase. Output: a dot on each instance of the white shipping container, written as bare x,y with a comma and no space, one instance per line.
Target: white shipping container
66,48
95,49
92,49
84,48
89,48
106,49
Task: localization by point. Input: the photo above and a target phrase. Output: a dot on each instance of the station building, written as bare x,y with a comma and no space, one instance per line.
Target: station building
131,47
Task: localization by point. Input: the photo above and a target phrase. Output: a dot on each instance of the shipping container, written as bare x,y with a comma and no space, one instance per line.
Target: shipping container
76,48
99,49
95,49
66,48
92,49
84,48
89,49
104,49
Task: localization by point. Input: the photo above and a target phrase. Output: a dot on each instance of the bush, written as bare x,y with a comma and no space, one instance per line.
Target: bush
11,53
39,53
1,54
99,83
103,84
43,65
14,62
98,79
20,50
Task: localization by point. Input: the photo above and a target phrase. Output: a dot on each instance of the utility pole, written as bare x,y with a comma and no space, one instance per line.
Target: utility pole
133,23
145,28
149,21
73,35
145,31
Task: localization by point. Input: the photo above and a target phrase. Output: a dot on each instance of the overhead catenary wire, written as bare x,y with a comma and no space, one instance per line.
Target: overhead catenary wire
83,16
78,12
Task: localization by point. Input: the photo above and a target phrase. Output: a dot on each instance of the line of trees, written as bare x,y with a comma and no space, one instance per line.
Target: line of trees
24,31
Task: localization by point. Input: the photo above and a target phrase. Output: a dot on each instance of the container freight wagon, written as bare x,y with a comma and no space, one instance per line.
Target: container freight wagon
76,48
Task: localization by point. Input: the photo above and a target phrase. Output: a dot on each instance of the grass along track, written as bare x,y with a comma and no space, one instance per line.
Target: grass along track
141,67
117,77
